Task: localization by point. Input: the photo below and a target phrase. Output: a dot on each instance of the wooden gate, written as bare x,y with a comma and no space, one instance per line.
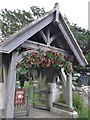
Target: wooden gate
40,98
21,102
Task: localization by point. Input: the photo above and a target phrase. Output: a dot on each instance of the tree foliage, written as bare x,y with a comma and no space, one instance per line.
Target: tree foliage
15,20
83,38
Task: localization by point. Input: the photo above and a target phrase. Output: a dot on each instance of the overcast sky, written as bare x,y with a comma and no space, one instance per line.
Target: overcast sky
75,10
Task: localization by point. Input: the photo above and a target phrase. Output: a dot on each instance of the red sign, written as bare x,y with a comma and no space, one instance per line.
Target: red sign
19,96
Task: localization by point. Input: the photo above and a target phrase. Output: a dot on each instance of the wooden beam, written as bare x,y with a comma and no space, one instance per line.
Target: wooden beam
57,12
43,36
63,77
10,89
69,89
54,37
34,45
48,37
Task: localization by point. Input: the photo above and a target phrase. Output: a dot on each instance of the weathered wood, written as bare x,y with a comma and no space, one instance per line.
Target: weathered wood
48,37
28,102
23,110
69,90
34,45
54,37
57,13
11,82
1,68
63,77
43,36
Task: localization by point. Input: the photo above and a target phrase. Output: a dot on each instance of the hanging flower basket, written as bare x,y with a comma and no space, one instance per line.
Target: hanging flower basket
44,59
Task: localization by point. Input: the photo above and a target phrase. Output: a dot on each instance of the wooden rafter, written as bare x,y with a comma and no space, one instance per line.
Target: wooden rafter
48,40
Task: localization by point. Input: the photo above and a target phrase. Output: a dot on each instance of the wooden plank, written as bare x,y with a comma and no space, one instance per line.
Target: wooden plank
28,101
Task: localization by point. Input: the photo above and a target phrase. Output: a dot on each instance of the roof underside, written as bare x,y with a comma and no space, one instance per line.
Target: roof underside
59,41
58,31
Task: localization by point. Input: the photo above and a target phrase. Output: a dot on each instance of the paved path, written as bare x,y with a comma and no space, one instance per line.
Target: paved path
39,113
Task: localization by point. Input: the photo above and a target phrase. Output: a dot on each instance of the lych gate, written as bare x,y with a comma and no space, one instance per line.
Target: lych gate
48,33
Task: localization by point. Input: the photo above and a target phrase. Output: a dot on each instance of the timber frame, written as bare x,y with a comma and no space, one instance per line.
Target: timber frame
48,32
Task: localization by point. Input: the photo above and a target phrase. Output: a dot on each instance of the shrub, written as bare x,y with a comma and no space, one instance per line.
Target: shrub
79,106
77,102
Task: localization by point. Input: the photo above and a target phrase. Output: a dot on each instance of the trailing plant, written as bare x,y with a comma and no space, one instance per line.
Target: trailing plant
44,59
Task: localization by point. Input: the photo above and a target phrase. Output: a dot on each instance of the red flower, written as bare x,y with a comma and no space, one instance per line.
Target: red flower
48,60
27,48
54,53
53,62
18,65
47,65
33,61
27,57
43,59
39,63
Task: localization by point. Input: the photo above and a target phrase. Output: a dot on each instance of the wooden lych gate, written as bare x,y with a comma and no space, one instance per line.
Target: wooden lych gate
48,33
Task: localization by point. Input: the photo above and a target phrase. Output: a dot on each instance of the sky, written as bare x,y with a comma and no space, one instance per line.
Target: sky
75,10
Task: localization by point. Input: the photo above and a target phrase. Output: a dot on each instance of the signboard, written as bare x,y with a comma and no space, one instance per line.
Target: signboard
19,96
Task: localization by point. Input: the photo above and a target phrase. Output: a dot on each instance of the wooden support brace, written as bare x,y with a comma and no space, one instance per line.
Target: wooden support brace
43,36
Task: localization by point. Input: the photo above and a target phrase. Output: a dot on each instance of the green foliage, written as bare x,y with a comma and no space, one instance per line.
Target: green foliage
15,20
83,38
79,106
61,99
77,102
37,12
44,59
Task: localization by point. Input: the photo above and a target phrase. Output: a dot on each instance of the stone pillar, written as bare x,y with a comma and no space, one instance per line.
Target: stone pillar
53,95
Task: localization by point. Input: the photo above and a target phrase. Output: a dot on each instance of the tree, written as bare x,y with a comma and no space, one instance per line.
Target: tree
15,20
83,38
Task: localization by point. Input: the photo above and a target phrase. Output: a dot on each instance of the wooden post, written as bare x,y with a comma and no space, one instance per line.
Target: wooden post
10,89
69,86
69,90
